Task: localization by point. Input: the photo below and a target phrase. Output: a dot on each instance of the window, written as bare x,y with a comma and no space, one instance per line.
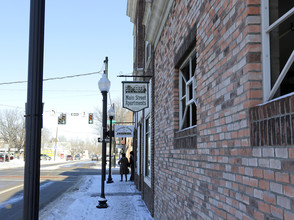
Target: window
147,52
187,93
148,148
278,48
139,150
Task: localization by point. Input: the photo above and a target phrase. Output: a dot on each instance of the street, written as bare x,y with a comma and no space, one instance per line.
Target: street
55,179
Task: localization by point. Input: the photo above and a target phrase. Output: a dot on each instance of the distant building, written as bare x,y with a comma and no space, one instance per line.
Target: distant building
217,139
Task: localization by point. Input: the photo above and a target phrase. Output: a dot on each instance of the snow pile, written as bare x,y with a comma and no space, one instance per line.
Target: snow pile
15,163
19,163
123,199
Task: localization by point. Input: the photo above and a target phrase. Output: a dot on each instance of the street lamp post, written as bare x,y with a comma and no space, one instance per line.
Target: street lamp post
111,114
104,86
34,111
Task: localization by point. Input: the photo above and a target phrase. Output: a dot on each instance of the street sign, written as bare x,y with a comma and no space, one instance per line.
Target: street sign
74,114
124,131
135,95
100,140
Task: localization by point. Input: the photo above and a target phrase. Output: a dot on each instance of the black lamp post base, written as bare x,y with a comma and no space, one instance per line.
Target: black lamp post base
102,203
109,180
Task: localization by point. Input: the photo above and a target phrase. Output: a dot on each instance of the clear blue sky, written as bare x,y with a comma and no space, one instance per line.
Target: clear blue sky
79,35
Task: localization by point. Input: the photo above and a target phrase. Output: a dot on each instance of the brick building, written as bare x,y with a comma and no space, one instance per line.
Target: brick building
217,139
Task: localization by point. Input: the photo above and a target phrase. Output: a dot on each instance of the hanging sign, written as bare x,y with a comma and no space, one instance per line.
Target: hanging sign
135,95
123,131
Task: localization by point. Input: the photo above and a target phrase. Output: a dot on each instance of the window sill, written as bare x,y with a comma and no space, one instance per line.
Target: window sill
186,138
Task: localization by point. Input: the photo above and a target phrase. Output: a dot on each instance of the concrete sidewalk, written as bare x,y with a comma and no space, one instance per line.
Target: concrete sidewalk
123,199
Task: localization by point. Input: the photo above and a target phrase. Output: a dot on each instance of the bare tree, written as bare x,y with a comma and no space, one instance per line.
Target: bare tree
120,112
77,146
12,128
46,138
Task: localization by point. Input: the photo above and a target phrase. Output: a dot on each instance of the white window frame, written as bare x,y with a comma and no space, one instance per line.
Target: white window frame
147,179
138,149
189,100
269,93
147,53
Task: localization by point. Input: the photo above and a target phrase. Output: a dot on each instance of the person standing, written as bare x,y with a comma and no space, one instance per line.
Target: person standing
124,170
132,165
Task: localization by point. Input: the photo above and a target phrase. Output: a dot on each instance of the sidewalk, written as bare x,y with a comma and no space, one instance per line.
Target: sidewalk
123,199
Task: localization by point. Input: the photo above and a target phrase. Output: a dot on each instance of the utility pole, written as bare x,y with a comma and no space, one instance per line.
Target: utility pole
34,111
106,66
55,143
104,127
104,86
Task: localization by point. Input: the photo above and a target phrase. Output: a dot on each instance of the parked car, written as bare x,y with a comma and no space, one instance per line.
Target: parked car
2,156
69,157
45,157
95,157
77,157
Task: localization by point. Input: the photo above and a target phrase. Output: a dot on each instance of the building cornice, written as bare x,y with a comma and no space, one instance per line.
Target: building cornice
131,10
154,19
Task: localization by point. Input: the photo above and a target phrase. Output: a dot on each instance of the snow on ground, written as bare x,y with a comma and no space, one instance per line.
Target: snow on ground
80,202
123,199
18,163
11,164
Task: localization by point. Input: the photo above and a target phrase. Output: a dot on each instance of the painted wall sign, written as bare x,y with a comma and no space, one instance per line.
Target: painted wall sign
135,95
123,131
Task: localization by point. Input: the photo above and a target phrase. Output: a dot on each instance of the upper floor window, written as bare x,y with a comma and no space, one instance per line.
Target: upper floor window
278,48
187,93
148,148
147,52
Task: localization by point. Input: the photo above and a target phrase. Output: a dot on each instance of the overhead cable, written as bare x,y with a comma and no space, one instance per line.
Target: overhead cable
55,78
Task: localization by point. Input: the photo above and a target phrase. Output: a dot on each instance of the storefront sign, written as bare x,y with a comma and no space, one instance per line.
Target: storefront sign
123,131
135,95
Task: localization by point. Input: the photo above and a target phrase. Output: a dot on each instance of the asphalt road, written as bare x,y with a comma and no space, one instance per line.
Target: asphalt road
55,180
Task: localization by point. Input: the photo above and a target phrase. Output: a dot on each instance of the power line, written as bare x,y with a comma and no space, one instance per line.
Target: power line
55,78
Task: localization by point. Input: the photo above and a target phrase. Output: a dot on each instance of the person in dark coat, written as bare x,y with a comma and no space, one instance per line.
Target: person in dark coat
124,170
132,165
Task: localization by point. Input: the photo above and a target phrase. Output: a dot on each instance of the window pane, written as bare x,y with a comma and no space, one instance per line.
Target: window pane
187,118
194,65
148,125
278,8
183,87
148,167
185,72
287,85
148,149
190,90
183,103
194,114
281,47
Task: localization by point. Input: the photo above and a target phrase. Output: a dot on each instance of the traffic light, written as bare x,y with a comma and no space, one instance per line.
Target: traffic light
59,120
63,119
91,118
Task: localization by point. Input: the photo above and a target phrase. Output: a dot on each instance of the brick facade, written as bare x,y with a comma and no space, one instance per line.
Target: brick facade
237,163
273,123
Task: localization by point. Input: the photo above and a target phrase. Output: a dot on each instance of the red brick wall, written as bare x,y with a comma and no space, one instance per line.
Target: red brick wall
222,175
140,30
